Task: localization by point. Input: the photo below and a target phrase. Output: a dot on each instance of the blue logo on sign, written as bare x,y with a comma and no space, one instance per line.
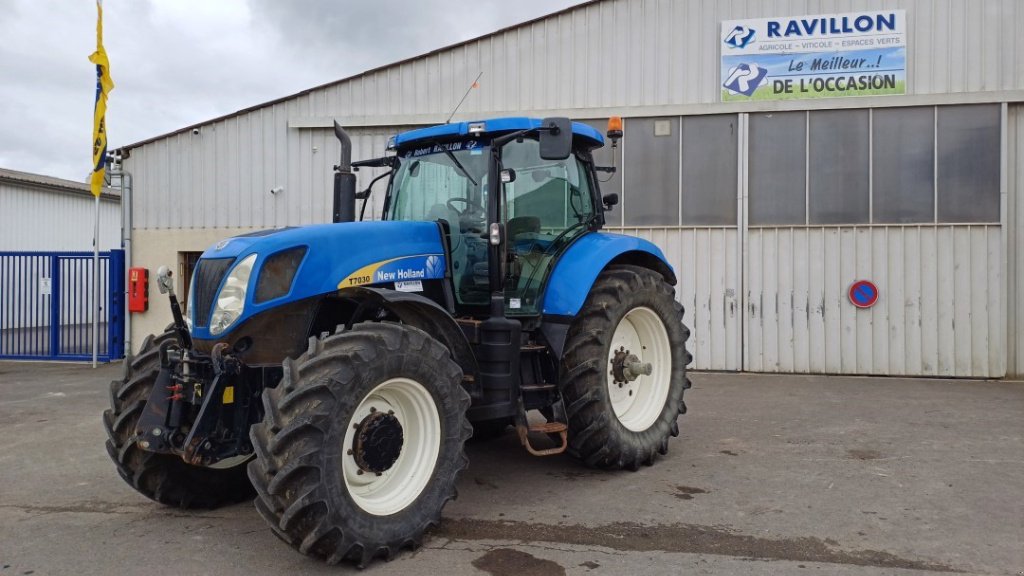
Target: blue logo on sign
744,79
740,36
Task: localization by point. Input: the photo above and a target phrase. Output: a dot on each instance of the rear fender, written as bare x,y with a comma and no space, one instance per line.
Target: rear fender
575,272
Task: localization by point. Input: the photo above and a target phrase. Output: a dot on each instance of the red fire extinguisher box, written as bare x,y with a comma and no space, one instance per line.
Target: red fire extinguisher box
138,289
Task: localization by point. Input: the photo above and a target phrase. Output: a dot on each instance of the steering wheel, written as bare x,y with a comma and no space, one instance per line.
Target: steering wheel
472,207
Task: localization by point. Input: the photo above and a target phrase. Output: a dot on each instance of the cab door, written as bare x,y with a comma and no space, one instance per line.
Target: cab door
547,204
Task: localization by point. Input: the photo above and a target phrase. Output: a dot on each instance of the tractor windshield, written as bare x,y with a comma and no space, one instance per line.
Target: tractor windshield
547,205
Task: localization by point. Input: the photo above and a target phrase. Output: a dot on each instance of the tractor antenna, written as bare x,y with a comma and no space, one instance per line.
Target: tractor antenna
468,90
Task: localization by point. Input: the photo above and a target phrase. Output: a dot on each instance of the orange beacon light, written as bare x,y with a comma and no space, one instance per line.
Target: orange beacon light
614,128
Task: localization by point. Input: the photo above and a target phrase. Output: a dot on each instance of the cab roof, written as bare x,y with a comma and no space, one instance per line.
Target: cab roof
583,133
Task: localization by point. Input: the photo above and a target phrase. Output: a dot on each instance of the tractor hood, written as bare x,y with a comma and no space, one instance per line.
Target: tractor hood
317,259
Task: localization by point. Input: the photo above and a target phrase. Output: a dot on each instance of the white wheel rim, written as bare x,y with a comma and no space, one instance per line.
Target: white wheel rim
638,403
397,487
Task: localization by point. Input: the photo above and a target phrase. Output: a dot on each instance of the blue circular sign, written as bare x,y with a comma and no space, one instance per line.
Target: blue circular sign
863,294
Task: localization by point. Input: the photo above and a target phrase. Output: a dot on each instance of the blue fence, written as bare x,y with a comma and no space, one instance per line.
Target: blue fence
46,305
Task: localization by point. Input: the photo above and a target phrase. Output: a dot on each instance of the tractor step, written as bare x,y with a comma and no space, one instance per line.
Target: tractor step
551,428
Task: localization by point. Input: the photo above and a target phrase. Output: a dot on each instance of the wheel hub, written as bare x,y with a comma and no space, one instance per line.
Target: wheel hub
627,367
378,441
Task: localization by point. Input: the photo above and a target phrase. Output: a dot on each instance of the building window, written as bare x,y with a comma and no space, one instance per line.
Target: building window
838,167
968,163
651,195
777,168
709,170
903,144
919,165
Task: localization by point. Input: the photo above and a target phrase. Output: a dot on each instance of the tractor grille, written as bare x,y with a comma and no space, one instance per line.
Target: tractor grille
208,275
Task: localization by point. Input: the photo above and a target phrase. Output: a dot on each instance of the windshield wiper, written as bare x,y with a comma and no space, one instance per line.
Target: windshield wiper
458,165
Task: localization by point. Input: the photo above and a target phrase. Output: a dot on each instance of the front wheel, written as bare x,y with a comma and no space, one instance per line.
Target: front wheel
361,443
165,478
623,373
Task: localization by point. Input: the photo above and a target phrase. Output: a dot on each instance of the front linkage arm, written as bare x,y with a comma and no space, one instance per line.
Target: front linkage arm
192,409
166,284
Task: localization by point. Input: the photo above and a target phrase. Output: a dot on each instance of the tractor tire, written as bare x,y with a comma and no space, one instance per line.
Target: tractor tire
164,478
361,443
615,422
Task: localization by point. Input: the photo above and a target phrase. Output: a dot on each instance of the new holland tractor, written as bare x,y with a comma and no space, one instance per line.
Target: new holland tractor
337,370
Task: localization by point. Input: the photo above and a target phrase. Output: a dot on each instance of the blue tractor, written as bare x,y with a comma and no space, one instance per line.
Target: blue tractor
336,371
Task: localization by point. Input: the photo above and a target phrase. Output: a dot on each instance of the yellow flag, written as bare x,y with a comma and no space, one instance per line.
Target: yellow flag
104,85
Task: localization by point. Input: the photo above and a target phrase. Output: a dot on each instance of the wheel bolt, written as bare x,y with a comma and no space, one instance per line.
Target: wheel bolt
350,452
372,409
359,472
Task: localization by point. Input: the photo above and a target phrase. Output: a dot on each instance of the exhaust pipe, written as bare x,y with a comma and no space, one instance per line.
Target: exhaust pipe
344,179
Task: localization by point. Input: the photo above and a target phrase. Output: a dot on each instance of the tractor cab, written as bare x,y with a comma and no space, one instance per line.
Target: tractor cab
548,198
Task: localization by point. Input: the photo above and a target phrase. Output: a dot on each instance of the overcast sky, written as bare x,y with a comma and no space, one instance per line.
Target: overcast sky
178,62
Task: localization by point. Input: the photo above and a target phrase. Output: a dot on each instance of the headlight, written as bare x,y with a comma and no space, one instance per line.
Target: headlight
231,299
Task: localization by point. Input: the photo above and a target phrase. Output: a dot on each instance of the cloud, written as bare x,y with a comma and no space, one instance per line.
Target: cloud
180,62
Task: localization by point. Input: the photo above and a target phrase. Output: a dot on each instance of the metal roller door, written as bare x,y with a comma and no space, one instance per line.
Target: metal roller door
776,215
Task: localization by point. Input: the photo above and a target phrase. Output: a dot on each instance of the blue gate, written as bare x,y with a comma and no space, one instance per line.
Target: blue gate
46,305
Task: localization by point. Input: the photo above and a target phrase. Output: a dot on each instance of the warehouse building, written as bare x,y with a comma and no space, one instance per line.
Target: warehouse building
47,226
838,185
43,213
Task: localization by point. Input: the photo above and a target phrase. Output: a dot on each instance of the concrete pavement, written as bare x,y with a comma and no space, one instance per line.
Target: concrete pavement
771,475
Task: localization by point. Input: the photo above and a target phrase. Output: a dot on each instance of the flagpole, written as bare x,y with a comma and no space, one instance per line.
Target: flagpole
96,285
104,85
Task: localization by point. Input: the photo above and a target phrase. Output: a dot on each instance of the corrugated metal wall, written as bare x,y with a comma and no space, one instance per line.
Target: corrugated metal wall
939,311
622,55
34,219
224,176
706,260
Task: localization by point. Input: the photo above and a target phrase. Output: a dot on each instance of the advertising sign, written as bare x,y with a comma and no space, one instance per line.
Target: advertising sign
825,56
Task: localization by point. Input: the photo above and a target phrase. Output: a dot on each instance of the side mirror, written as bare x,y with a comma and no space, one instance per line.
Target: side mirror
555,139
610,200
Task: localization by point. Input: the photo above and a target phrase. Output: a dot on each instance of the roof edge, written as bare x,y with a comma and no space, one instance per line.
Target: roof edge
52,184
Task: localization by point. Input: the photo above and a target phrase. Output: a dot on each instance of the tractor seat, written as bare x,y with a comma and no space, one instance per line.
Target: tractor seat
523,232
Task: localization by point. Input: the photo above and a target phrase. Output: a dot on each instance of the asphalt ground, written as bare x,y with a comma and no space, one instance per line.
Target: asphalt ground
771,475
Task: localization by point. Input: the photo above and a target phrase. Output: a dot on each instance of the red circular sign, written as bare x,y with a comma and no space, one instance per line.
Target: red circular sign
863,294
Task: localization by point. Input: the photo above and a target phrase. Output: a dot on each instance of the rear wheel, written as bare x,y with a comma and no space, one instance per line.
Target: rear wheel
623,373
165,478
361,443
